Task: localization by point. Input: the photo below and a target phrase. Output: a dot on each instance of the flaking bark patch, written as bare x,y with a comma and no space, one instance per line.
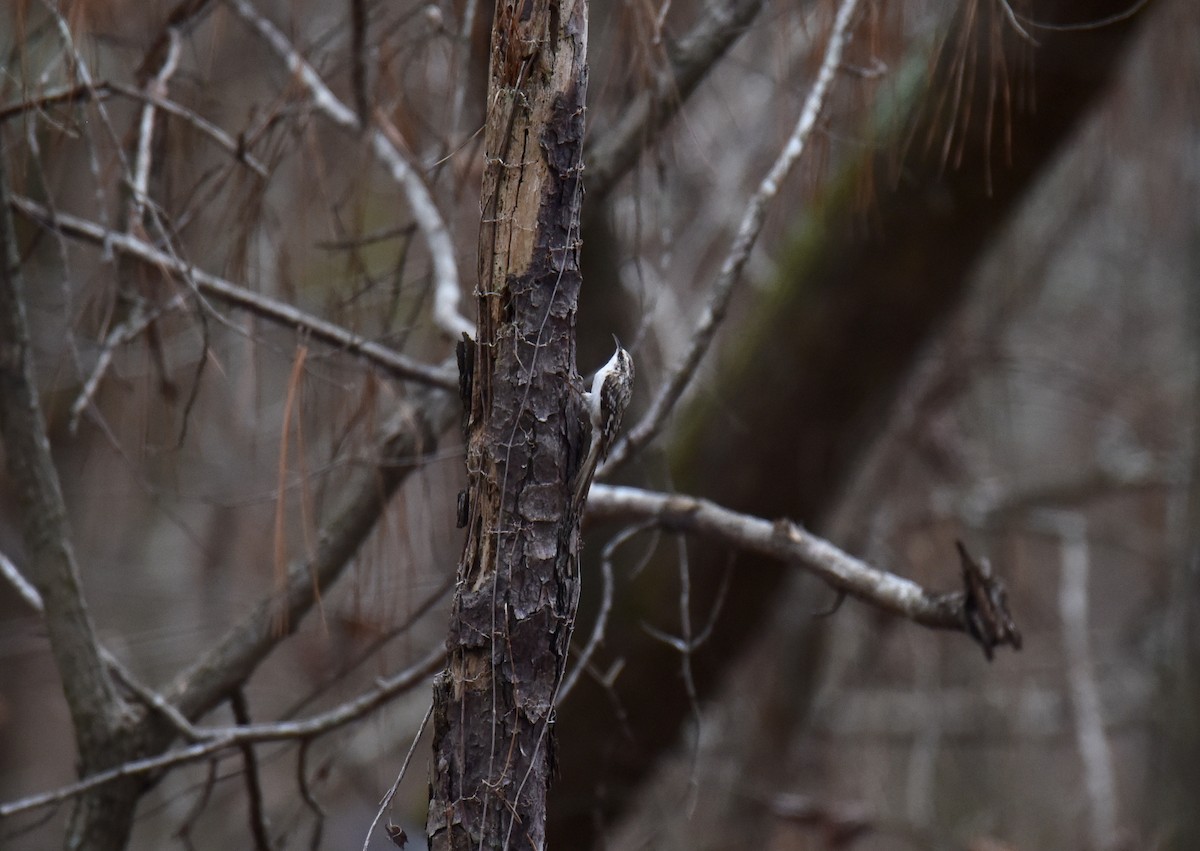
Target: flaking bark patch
517,592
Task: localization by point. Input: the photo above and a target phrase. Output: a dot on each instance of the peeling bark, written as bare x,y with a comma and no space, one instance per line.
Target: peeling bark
514,606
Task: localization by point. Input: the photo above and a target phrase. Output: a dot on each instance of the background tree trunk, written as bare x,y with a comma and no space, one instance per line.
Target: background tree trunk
813,375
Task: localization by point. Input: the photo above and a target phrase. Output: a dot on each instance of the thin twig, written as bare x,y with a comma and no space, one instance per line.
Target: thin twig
606,600
157,86
53,97
184,831
731,269
306,794
391,793
212,131
137,322
460,83
254,796
23,586
1084,26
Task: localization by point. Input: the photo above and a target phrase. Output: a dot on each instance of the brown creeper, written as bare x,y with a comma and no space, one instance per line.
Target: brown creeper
606,403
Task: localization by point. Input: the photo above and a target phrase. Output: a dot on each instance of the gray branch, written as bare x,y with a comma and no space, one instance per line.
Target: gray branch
265,307
787,541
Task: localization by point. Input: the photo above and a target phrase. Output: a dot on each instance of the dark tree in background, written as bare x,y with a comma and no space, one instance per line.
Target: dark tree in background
895,275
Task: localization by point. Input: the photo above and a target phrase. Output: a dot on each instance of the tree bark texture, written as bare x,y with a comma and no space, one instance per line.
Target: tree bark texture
514,605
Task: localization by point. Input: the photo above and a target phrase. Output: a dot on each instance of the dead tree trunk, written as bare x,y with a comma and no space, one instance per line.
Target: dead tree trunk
517,581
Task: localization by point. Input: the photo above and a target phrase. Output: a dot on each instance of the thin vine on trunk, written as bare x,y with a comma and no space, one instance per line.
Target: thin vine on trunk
517,590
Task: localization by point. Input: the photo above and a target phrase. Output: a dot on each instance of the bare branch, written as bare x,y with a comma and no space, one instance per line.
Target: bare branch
250,773
23,586
787,541
52,97
651,109
212,131
215,740
409,437
263,306
606,601
447,291
157,86
731,269
151,698
137,322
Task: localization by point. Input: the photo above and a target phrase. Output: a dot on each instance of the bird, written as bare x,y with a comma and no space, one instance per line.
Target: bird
612,387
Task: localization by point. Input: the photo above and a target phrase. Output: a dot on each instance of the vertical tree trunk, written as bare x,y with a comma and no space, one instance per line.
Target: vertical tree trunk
517,581
101,717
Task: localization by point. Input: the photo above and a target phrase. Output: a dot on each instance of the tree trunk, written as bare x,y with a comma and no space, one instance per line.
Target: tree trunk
514,606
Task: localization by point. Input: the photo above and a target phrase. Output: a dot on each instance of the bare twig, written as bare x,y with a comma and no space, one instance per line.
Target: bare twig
686,644
254,796
137,322
460,87
606,599
157,87
391,793
731,269
1083,26
23,586
183,833
787,541
212,286
1011,14
185,15
55,96
447,292
306,794
212,131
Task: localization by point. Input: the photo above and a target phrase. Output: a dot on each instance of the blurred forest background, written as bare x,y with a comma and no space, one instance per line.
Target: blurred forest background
972,314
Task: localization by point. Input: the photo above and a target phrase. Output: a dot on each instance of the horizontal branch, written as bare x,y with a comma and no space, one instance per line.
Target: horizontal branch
54,97
787,541
265,307
212,741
